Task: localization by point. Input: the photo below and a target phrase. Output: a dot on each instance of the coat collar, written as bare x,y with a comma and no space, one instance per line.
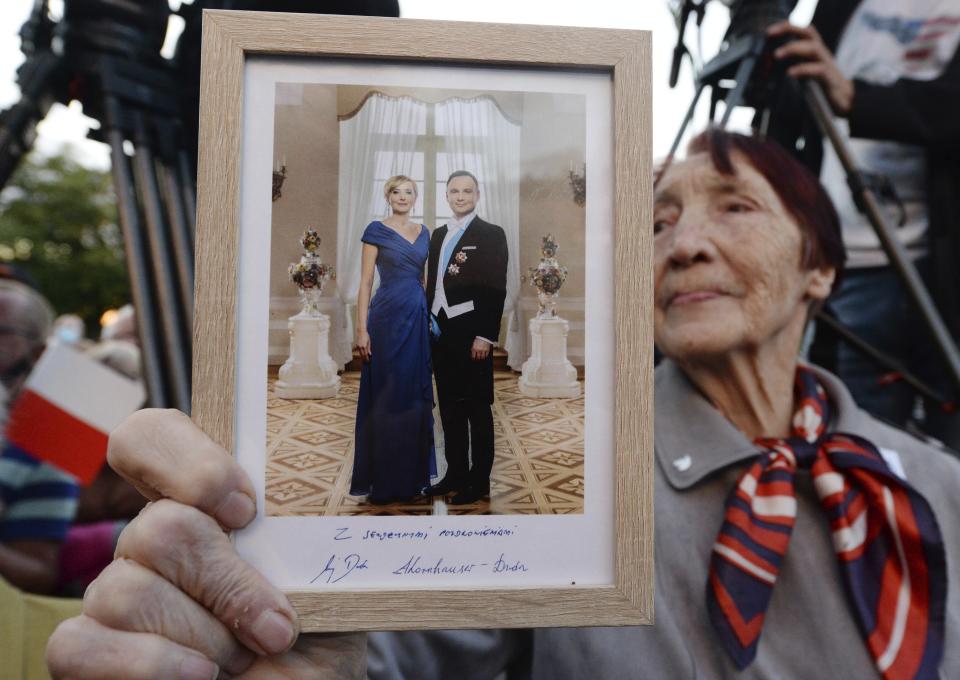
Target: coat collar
454,224
692,440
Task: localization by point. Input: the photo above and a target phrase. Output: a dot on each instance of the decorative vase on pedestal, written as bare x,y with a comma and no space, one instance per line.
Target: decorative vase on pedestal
548,372
309,372
547,277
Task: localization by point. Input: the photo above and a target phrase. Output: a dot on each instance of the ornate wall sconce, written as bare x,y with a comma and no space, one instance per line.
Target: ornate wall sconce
578,184
278,177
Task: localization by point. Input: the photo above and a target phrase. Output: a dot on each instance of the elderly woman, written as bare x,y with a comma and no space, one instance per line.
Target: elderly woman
755,451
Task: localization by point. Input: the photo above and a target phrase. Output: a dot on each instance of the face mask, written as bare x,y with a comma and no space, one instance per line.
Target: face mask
69,336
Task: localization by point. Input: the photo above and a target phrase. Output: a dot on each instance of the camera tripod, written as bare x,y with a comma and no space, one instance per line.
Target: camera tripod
106,54
745,73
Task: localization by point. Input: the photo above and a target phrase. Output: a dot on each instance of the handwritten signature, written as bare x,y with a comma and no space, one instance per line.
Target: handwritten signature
417,566
338,569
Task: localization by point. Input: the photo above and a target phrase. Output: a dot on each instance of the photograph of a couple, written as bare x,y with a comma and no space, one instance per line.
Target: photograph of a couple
422,357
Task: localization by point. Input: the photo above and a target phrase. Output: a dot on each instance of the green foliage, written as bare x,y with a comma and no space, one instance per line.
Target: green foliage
58,222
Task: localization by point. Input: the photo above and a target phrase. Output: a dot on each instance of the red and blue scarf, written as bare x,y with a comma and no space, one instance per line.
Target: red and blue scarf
885,535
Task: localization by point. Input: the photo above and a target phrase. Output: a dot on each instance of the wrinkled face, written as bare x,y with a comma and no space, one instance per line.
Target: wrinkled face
462,195
402,197
726,263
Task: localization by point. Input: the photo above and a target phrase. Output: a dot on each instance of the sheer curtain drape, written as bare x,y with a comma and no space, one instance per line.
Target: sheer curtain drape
479,138
376,143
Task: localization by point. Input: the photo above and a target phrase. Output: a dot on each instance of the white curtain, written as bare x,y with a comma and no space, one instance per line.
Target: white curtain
481,139
376,143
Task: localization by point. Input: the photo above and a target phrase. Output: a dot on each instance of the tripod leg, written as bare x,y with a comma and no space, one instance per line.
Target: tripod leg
18,123
820,108
683,126
137,268
175,334
180,232
733,100
884,360
188,187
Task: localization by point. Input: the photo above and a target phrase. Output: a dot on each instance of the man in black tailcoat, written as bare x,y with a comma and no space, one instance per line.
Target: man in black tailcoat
466,288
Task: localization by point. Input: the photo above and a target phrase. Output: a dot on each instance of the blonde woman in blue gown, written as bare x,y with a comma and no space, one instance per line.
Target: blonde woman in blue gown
394,454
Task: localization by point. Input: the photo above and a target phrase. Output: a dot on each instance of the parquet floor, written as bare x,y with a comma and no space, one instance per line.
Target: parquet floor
538,463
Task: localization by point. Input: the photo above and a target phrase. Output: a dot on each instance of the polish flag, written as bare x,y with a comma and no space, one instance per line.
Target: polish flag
67,408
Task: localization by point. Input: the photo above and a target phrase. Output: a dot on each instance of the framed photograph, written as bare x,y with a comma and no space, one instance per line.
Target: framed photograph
423,320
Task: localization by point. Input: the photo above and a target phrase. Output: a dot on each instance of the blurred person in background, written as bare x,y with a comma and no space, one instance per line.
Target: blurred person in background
26,621
123,356
26,320
70,330
891,72
108,503
37,501
123,327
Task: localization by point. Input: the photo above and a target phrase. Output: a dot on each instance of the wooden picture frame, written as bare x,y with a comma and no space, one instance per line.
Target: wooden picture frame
232,42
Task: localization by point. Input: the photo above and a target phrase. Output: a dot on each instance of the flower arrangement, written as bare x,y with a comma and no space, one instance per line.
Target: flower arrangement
549,247
309,273
310,241
548,280
548,277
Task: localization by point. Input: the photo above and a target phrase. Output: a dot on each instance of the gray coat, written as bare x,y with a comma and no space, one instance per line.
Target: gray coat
809,631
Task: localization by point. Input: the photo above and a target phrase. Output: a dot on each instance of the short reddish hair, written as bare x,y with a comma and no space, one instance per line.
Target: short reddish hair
798,189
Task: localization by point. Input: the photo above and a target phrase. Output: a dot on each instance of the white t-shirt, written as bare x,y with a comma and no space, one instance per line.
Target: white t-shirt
886,40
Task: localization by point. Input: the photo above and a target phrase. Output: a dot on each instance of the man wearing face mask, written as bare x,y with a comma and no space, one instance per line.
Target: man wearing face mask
37,501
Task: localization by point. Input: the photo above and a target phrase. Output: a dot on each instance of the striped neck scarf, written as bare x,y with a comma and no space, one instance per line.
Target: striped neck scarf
885,536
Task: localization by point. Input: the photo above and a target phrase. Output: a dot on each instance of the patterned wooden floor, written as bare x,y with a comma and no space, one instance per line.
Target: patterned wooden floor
538,464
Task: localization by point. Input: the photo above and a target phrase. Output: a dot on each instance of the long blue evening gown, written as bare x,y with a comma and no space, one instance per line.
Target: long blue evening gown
394,455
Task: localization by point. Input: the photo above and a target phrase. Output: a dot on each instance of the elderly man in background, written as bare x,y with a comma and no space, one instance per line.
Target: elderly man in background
37,501
754,451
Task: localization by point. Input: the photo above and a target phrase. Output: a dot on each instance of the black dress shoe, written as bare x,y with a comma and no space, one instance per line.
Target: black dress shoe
441,488
469,496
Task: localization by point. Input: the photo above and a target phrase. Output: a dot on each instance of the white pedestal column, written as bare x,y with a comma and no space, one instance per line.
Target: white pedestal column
548,372
309,373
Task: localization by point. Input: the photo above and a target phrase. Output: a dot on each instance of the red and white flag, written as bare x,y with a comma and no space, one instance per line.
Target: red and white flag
67,408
